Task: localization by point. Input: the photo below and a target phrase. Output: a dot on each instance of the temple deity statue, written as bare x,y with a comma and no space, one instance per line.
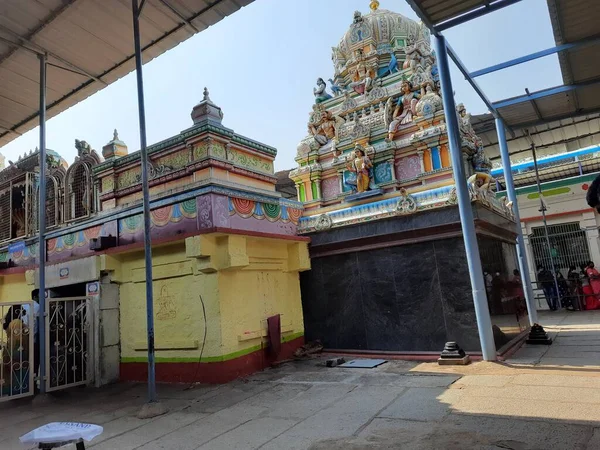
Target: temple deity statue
467,132
361,165
320,91
324,130
430,101
362,75
406,108
481,162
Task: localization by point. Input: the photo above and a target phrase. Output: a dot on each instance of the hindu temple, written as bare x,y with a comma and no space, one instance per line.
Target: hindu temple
226,256
374,174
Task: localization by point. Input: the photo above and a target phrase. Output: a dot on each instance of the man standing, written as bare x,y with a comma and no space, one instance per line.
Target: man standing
546,280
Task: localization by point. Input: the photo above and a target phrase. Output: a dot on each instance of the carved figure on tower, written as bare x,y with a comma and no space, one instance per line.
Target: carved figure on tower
324,130
430,101
362,75
467,133
320,91
361,165
406,108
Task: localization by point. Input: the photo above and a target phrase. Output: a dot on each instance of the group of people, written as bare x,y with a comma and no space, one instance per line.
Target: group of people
18,322
579,291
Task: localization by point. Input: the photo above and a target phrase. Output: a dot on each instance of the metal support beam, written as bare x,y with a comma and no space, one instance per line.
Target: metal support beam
140,8
512,196
545,93
181,16
543,211
535,55
146,201
471,81
42,227
484,322
491,7
535,107
32,46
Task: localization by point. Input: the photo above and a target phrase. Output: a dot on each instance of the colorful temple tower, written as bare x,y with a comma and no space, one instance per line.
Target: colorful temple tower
375,177
226,254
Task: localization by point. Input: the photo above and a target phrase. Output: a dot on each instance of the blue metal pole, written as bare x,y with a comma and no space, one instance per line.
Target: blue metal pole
42,228
146,202
484,322
512,196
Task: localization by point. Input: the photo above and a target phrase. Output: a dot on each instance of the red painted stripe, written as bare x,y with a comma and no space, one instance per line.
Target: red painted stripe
212,373
562,214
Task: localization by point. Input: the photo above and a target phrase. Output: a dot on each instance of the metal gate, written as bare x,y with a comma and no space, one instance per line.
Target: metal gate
17,362
68,343
568,247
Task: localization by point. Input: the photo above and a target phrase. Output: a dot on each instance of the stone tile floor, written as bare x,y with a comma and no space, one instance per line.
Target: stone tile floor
542,398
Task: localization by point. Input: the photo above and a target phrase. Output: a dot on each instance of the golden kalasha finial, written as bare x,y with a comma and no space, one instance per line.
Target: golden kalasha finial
374,5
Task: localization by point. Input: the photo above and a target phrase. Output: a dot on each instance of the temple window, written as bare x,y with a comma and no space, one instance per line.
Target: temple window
436,160
17,208
80,198
53,203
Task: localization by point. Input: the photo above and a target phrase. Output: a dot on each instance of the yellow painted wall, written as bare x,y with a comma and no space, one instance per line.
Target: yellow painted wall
179,323
242,281
14,288
263,288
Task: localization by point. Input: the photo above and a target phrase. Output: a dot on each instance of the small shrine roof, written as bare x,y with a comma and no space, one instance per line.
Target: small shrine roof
181,138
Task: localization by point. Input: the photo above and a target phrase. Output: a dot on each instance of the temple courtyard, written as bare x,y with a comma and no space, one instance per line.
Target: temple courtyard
541,398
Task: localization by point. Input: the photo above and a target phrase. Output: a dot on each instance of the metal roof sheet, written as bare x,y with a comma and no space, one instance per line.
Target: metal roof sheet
572,21
93,39
576,132
438,11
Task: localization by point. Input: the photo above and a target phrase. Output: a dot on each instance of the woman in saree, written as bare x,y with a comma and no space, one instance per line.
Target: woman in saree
593,300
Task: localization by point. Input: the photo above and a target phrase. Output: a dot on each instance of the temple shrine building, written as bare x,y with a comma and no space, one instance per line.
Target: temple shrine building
226,254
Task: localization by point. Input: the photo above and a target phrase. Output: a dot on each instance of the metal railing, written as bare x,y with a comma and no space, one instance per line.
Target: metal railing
17,351
568,247
69,342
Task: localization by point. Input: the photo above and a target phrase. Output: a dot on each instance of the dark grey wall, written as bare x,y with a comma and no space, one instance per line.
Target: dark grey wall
404,298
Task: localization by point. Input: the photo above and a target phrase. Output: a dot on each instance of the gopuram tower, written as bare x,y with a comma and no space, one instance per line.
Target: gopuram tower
374,173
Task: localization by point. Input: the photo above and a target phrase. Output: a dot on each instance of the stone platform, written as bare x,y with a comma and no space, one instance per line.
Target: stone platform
543,398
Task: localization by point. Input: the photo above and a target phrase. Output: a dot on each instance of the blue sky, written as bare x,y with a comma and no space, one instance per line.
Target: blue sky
261,65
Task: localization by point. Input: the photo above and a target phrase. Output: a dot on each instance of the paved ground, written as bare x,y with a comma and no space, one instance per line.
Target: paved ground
543,398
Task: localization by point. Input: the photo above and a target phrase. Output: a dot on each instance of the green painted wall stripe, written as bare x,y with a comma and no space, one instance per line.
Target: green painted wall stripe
549,193
553,184
209,359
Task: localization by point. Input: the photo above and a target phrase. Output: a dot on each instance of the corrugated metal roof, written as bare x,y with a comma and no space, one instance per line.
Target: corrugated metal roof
572,21
575,132
91,38
438,11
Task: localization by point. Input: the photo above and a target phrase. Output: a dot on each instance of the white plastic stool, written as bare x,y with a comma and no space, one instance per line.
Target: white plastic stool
59,434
